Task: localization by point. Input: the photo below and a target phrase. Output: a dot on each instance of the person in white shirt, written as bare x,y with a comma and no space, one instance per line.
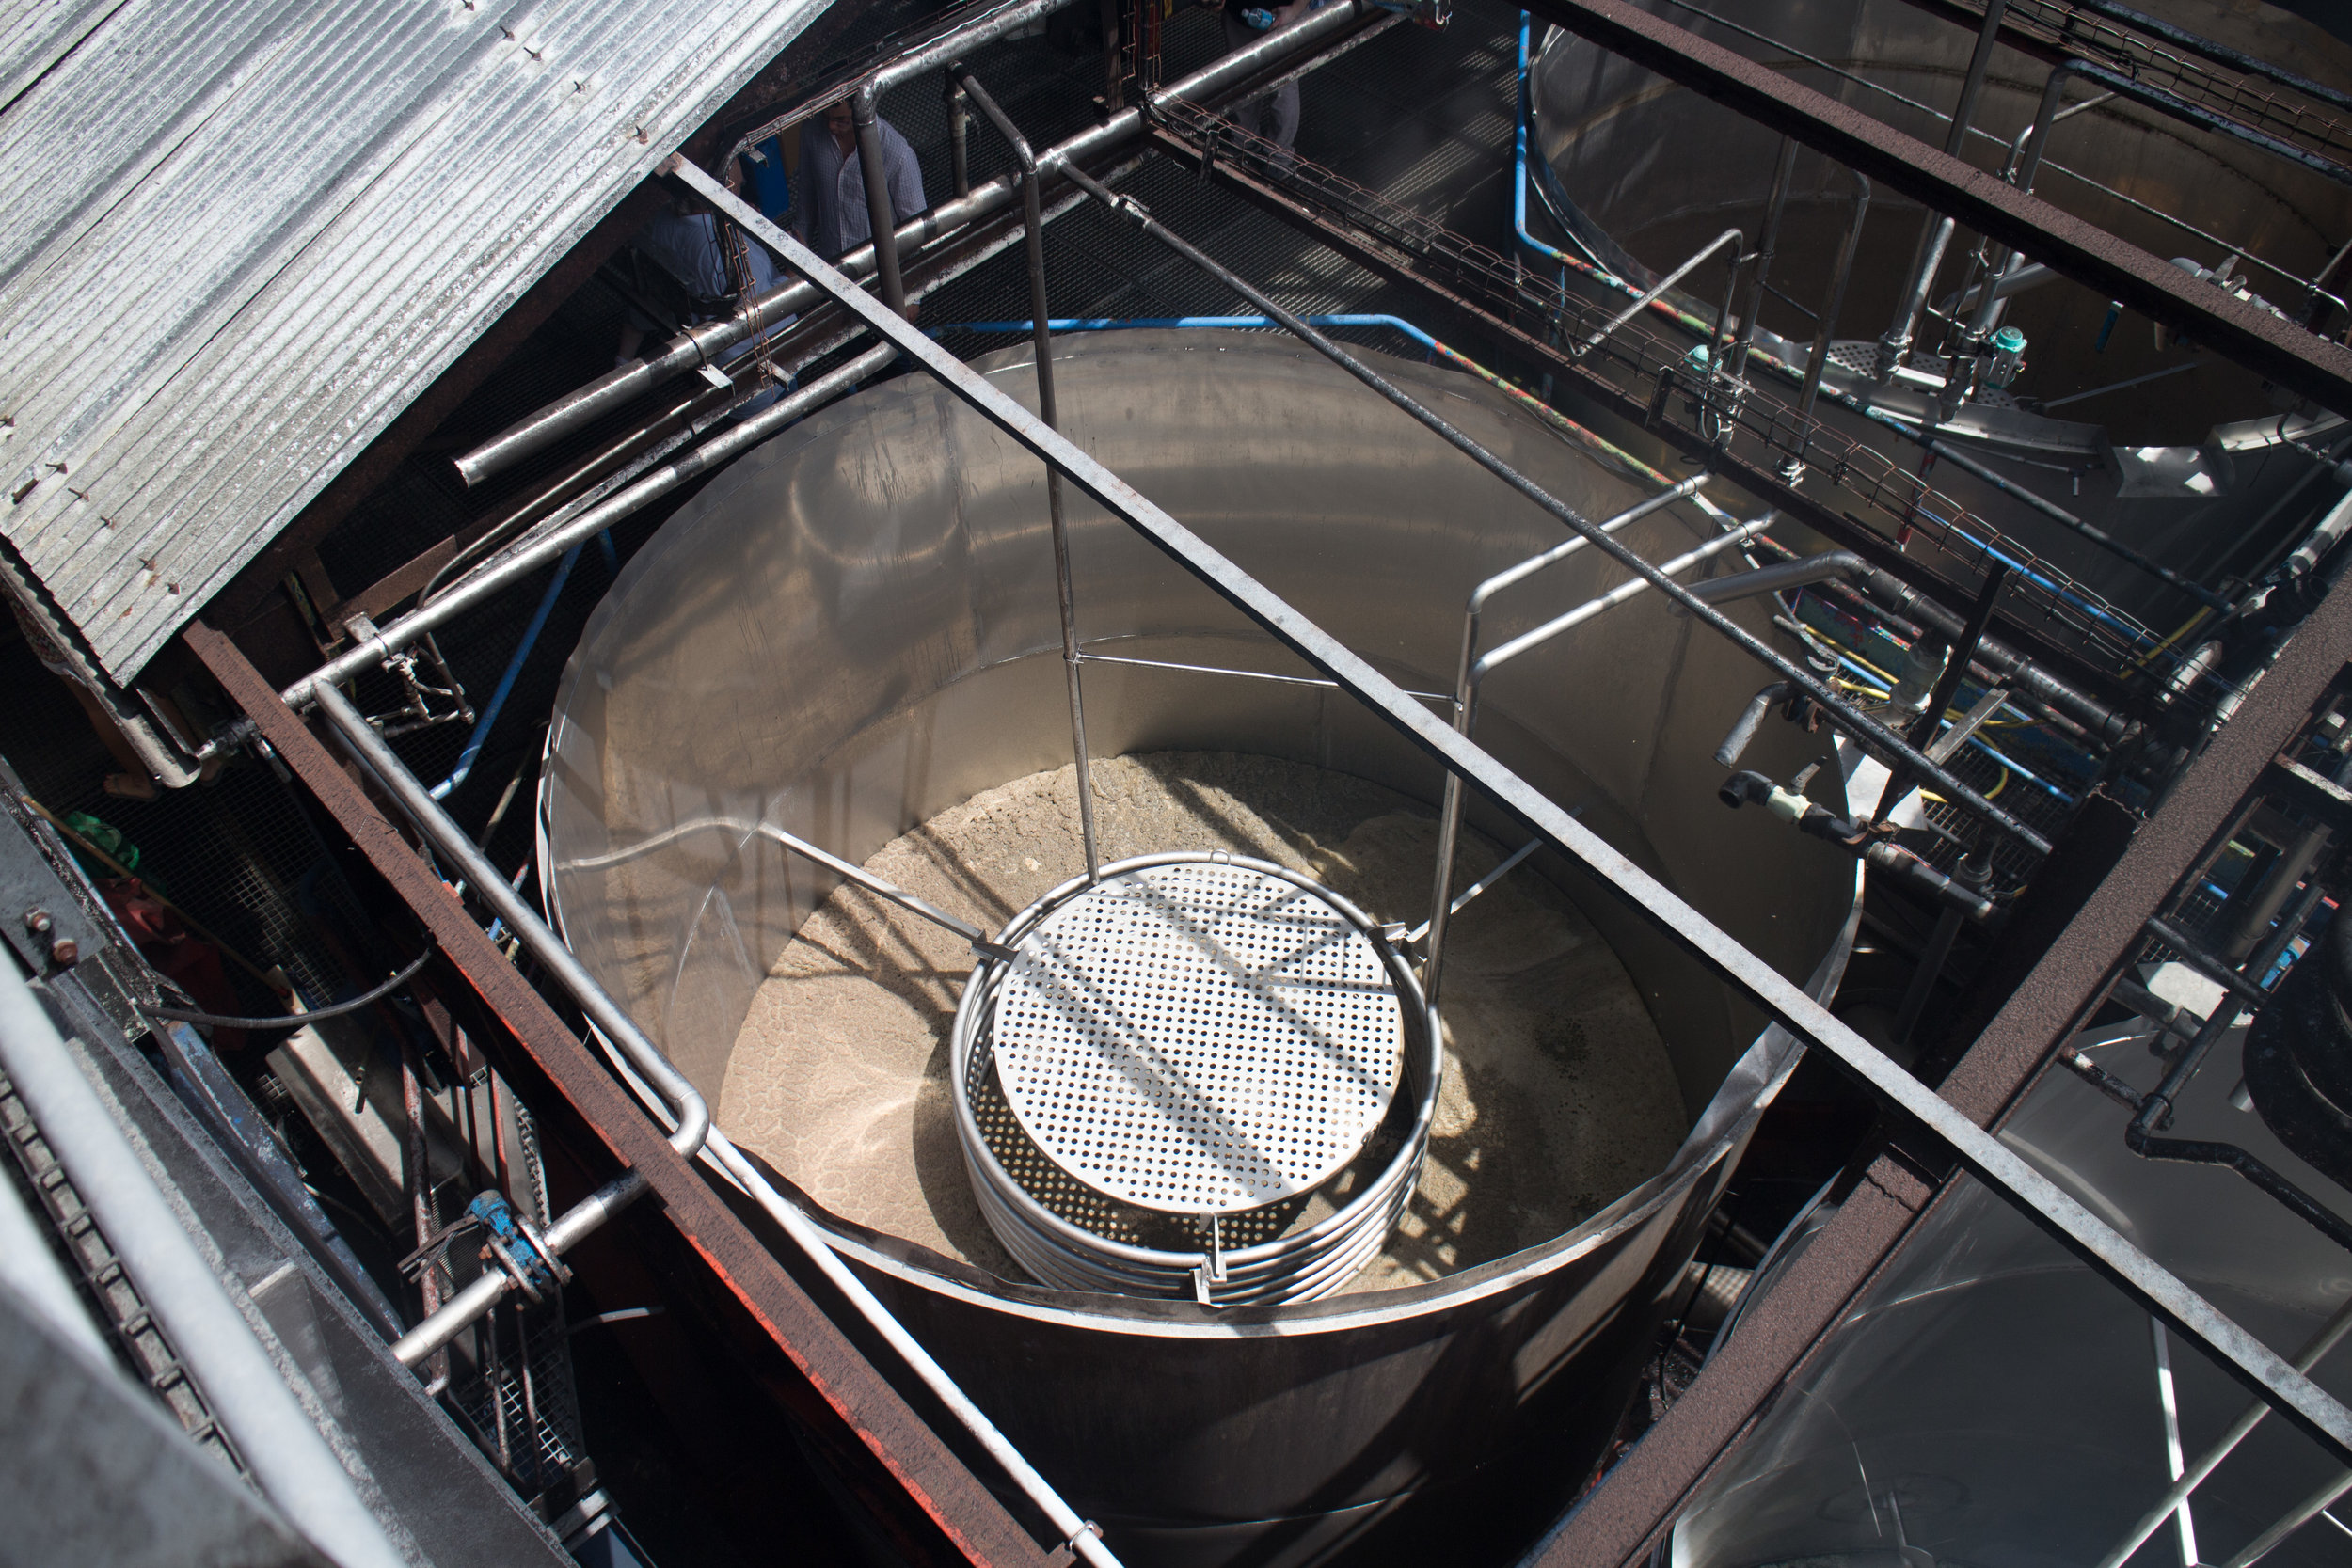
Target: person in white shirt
829,208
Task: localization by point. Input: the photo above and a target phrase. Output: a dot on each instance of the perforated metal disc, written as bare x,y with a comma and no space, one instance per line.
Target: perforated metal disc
1197,1037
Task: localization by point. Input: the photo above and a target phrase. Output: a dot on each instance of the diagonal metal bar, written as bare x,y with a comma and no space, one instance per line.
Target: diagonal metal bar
1842,713
2264,1371
2262,341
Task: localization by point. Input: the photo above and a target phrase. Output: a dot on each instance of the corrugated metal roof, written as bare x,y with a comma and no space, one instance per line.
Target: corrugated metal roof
241,235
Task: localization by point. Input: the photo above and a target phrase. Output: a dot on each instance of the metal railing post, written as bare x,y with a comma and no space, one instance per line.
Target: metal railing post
1041,341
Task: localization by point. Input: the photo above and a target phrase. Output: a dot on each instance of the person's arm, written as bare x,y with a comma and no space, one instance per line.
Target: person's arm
1285,15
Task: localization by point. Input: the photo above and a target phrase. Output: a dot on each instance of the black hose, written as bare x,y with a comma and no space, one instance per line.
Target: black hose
295,1020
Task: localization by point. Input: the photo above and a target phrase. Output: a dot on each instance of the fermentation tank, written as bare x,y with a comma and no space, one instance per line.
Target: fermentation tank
851,635
2167,447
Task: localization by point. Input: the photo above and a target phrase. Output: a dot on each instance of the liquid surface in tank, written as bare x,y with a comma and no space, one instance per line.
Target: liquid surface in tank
1558,1096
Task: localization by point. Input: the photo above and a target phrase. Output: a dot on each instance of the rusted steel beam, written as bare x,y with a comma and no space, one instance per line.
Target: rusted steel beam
935,1482
1579,377
2268,344
1781,1333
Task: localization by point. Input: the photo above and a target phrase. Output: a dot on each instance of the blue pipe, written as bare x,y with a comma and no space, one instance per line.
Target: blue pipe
514,669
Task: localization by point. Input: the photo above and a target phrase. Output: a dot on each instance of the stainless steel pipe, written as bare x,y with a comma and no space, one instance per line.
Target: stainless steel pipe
1657,291
881,217
1935,233
521,561
288,1456
489,884
700,345
1840,712
1041,344
691,1112
1466,704
1450,813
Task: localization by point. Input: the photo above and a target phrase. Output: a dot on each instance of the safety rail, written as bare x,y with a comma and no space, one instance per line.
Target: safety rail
2134,45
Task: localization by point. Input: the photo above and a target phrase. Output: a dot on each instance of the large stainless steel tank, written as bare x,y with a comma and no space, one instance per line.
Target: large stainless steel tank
2184,466
1993,1400
854,629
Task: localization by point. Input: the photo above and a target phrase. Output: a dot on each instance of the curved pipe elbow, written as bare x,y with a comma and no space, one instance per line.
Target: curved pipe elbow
1781,576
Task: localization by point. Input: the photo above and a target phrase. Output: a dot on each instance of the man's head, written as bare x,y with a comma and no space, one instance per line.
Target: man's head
841,124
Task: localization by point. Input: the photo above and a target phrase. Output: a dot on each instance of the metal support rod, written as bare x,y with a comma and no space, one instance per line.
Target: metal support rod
2297,1517
285,1453
1861,725
704,343
1775,205
503,572
1463,900
890,891
1041,343
2168,1400
958,138
883,221
1449,814
1826,324
418,1178
2205,1464
1656,291
458,852
1465,721
1935,232
2309,1408
2024,166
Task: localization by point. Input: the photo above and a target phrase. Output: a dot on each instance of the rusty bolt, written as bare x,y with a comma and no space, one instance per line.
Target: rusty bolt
37,921
65,950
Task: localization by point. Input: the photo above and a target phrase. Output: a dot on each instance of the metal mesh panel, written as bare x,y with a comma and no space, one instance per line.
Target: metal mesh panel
1197,1039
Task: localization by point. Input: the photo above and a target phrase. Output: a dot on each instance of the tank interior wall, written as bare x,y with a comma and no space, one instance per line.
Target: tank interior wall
854,629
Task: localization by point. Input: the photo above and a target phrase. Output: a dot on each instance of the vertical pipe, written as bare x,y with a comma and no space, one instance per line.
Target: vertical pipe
959,138
1033,221
1935,233
1784,170
2024,167
288,1457
1449,814
1063,590
420,1183
1823,330
883,222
